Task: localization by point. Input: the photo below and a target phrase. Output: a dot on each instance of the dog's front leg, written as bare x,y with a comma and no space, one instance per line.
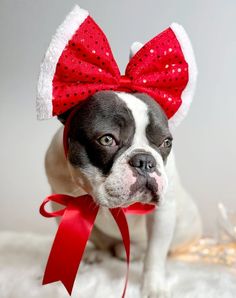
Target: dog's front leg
160,228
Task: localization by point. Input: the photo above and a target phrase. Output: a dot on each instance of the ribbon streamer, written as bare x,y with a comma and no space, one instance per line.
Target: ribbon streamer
73,232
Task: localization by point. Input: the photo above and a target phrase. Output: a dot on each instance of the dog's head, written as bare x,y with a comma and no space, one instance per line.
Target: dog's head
118,146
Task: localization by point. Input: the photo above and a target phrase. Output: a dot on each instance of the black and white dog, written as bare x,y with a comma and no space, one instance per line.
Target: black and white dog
120,152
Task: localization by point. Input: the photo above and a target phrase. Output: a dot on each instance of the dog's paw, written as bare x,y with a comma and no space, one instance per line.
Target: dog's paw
157,294
93,255
136,252
153,287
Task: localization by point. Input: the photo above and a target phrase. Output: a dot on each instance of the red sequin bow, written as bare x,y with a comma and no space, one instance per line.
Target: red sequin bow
79,62
87,65
76,224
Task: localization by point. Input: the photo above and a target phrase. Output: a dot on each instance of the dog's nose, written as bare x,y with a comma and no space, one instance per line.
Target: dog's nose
144,162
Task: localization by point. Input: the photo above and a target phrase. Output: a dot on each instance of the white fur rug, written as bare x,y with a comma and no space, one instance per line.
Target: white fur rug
23,257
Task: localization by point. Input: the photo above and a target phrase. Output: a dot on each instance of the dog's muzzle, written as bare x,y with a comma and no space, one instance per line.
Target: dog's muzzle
144,167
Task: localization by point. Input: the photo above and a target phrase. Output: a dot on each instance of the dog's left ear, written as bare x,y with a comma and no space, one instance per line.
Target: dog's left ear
64,116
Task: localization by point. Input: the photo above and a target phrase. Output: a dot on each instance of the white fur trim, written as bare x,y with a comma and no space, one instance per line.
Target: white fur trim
188,92
47,70
135,47
139,111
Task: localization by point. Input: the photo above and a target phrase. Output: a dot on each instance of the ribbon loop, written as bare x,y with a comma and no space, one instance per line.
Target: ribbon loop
60,199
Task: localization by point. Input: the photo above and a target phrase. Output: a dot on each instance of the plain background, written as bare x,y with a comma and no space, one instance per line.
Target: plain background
204,143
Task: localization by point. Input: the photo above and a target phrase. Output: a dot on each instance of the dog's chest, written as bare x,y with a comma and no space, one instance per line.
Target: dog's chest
137,225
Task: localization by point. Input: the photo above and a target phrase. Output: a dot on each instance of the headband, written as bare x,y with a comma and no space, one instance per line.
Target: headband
79,62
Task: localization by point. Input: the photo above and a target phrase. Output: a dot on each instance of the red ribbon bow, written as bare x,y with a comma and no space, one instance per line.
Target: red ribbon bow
76,224
86,65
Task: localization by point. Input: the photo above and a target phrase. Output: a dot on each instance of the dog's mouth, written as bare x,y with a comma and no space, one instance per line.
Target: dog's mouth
149,197
144,190
147,187
144,197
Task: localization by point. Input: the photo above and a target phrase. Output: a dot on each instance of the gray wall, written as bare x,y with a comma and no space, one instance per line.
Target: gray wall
204,143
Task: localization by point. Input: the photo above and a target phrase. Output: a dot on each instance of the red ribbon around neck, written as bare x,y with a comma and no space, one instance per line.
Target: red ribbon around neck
76,224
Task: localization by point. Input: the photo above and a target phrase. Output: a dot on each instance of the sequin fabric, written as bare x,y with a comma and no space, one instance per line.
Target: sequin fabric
87,65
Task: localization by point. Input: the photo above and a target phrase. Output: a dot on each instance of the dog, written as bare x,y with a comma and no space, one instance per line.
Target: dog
120,152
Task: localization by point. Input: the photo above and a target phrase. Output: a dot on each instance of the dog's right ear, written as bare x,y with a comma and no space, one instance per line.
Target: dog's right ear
135,47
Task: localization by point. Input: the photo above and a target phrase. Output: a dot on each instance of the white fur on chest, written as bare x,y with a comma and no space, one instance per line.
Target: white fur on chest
106,223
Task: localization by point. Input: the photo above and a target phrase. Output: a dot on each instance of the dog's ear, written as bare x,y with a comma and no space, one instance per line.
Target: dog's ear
135,47
63,117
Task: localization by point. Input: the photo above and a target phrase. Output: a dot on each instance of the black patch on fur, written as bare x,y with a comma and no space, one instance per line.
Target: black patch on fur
103,113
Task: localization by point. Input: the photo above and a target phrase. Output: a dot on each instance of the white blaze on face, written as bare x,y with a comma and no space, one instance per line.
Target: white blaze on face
140,113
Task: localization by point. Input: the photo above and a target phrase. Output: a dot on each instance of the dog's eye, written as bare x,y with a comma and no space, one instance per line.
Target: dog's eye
107,140
167,143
